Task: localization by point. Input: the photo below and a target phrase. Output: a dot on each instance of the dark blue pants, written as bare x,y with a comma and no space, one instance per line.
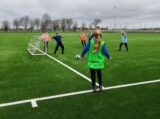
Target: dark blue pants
93,76
120,46
57,46
83,43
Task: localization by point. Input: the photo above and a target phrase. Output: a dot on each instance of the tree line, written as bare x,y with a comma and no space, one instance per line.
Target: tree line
26,24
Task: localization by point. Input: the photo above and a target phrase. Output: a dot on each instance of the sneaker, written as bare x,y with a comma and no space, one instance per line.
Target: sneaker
100,88
94,88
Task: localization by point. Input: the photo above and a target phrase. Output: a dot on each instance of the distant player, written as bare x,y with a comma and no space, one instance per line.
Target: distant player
83,39
124,41
58,39
45,38
96,49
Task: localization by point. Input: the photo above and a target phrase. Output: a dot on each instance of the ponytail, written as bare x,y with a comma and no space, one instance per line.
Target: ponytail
97,43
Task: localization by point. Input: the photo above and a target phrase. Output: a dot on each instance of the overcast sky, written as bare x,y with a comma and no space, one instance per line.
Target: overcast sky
129,12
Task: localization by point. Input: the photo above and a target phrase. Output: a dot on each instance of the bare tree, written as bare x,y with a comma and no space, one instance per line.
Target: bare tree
91,26
5,25
45,22
83,25
24,21
69,23
37,23
75,25
55,25
16,24
63,24
96,22
31,25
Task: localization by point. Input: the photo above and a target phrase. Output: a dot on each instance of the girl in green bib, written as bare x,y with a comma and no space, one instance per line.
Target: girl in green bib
97,51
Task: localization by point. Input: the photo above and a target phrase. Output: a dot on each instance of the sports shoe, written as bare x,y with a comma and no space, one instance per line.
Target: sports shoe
94,88
100,88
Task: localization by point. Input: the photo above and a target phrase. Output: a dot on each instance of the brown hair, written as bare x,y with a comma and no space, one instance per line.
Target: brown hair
97,43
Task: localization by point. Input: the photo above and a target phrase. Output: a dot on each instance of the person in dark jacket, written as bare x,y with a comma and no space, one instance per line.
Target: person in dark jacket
58,39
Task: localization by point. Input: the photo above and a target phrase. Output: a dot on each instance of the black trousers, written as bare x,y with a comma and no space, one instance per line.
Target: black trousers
83,43
57,46
45,49
93,76
120,46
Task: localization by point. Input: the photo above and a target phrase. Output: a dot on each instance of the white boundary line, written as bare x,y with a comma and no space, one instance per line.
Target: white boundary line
32,53
34,101
70,68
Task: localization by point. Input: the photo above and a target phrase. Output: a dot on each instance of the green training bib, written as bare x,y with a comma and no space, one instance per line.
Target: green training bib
95,60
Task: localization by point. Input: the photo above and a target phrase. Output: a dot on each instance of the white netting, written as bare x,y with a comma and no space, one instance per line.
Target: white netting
34,46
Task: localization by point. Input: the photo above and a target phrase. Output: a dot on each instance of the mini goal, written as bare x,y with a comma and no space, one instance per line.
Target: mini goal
34,46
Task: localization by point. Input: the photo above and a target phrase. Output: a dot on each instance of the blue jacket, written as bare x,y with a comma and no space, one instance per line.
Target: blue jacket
124,39
57,38
104,50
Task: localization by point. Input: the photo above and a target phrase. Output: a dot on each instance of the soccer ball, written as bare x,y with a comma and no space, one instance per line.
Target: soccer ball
77,57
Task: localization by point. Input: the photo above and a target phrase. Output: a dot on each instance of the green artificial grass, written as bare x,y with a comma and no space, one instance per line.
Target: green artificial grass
23,76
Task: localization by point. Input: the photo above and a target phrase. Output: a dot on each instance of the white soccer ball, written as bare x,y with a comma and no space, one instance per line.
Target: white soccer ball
77,57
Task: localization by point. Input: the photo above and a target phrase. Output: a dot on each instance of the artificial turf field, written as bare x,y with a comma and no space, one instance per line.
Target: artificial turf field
23,76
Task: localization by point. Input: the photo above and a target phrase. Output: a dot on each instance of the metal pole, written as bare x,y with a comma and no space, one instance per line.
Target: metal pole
115,17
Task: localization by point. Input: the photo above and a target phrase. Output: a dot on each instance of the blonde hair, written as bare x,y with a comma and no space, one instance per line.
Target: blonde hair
97,43
123,32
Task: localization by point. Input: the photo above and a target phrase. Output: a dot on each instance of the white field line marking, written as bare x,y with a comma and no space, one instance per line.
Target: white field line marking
80,74
32,53
34,104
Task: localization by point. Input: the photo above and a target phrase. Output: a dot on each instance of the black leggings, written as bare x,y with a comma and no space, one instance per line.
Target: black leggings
83,43
93,76
57,46
120,46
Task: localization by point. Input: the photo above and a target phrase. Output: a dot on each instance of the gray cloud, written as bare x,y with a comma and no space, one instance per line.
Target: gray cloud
141,11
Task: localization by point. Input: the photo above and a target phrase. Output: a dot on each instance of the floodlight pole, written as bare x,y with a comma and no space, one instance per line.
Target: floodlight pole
115,17
115,14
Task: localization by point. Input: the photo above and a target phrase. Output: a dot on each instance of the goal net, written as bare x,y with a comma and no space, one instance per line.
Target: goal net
34,46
